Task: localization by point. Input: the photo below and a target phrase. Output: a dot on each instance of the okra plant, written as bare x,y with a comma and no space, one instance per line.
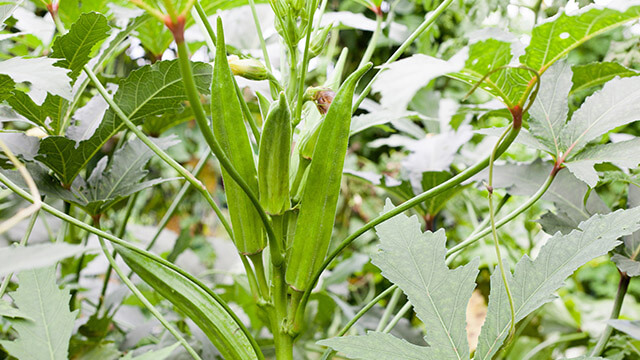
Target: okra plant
115,114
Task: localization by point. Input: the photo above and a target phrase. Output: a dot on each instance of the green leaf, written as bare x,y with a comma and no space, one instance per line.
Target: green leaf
414,261
432,179
6,87
48,115
399,81
41,74
485,56
18,258
75,46
71,11
534,282
377,345
161,354
150,90
617,104
231,133
624,154
631,328
6,9
201,305
598,73
8,311
47,335
552,40
551,106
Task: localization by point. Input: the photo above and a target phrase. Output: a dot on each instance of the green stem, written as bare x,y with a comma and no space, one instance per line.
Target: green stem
623,285
263,44
82,225
425,25
258,265
202,16
193,96
329,352
23,242
373,42
163,155
403,310
145,302
454,181
496,241
120,233
477,235
389,309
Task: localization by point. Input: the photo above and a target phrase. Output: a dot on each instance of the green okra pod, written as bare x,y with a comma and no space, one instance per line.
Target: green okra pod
274,158
230,131
322,188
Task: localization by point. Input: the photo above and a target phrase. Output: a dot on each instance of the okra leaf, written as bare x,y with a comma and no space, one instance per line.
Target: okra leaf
6,9
17,258
6,87
631,328
534,282
552,40
150,90
47,335
415,261
161,354
75,46
212,315
628,258
485,56
400,81
431,179
617,104
48,115
551,106
122,177
41,74
624,154
598,73
87,119
377,345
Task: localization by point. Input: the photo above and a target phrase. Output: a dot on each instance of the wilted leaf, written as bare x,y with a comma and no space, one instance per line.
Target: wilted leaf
47,335
534,282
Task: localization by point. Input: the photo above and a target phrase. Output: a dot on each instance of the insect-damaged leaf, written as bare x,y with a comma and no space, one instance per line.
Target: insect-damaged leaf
415,261
534,282
150,90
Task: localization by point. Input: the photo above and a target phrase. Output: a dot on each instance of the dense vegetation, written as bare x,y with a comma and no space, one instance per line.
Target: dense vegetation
319,179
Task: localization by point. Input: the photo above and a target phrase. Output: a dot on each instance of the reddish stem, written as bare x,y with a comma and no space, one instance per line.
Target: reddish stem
176,28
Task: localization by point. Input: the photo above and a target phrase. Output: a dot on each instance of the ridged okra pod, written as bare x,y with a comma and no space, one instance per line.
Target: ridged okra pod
274,158
320,196
231,132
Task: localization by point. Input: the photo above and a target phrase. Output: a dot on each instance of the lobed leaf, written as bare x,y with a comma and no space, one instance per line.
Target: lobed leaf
598,73
47,335
534,281
41,74
18,258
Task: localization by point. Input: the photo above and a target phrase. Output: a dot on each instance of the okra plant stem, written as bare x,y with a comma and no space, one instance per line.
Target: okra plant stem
373,42
623,285
305,61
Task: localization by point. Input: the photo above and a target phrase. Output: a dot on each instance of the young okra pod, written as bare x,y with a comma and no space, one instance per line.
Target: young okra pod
231,132
320,195
274,157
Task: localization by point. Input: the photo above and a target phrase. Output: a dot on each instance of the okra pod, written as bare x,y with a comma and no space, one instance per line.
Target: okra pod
231,132
274,158
322,188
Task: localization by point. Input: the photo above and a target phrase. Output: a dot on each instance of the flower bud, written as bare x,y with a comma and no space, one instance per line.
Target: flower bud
322,96
251,69
319,40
